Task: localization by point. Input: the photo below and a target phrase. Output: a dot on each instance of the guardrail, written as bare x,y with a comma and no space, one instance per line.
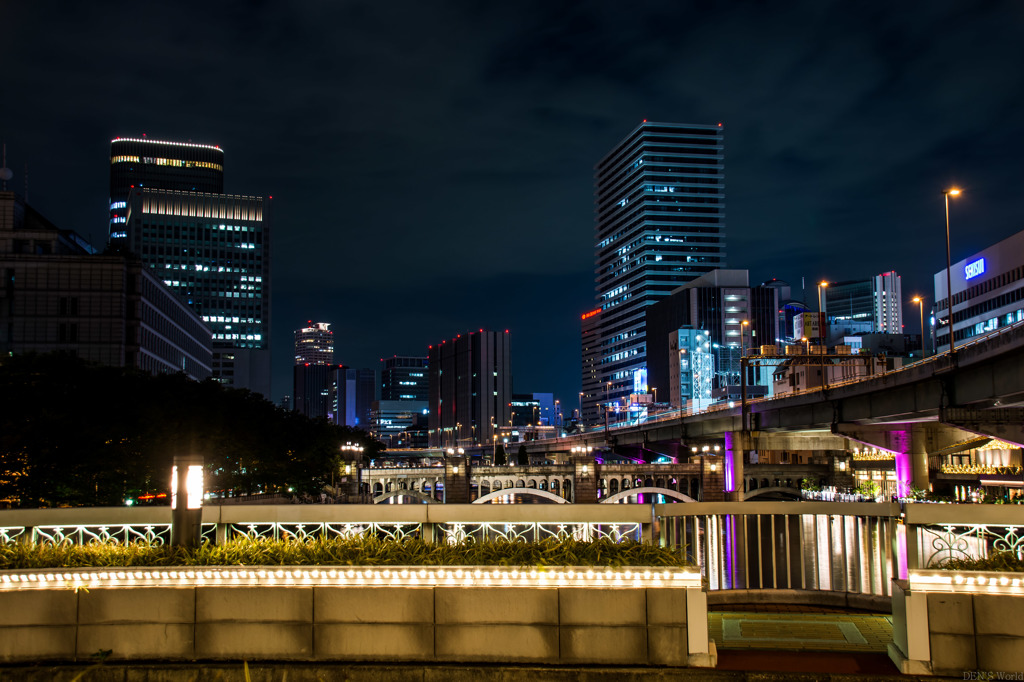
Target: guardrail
849,547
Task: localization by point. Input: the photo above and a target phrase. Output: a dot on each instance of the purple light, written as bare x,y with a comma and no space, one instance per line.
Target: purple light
904,468
730,476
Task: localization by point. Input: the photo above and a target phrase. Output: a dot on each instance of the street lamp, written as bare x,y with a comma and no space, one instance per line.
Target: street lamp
947,193
920,308
580,414
821,314
821,332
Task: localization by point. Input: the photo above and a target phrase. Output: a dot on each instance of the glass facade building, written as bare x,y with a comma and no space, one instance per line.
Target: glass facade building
660,222
213,251
154,164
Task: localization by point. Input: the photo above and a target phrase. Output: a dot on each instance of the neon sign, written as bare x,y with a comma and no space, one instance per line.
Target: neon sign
973,269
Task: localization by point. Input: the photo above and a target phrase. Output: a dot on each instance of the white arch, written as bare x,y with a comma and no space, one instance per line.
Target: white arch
415,494
756,492
521,491
647,491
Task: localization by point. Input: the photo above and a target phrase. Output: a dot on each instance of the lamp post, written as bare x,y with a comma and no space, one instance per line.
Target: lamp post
821,332
920,308
947,193
186,500
580,415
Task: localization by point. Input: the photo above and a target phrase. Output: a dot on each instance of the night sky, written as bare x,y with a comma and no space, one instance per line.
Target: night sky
431,163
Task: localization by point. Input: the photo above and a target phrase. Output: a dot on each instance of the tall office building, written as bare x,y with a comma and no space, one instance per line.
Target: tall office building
155,164
312,386
660,222
213,251
590,386
878,300
312,373
352,396
470,388
404,378
314,345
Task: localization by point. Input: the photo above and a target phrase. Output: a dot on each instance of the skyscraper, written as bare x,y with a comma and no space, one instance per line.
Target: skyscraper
470,388
311,375
351,396
660,222
213,250
314,345
154,164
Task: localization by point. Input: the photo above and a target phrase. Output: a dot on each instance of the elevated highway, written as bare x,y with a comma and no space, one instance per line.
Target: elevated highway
923,408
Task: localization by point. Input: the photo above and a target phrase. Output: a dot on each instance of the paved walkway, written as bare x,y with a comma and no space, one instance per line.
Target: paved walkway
837,632
801,639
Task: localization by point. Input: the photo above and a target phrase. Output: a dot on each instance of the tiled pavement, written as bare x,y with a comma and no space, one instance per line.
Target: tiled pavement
840,632
801,638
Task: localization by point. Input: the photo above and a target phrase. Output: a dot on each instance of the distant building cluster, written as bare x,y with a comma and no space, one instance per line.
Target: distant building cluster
671,323
184,286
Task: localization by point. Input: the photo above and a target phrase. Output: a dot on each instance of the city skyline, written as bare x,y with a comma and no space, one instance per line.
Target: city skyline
444,186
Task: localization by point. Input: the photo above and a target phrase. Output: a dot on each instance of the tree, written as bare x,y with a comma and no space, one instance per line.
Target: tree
500,459
77,434
522,457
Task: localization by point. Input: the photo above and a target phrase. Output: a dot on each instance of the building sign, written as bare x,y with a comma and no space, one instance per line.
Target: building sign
975,268
640,380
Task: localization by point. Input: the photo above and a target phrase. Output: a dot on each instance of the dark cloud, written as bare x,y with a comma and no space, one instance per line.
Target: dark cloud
431,163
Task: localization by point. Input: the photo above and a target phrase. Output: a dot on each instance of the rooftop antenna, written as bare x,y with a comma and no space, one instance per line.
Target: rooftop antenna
5,172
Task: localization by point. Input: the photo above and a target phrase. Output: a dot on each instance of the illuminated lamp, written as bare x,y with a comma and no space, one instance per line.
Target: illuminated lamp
186,509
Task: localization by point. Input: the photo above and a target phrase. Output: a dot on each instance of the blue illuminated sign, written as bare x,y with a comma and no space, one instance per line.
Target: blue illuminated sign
640,380
975,268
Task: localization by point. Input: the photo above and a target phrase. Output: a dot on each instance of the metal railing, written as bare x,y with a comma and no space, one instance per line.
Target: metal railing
828,546
837,547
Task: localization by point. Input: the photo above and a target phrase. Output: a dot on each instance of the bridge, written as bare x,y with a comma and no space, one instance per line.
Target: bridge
584,480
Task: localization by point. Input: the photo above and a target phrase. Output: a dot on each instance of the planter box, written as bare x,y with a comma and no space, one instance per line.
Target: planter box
948,622
475,614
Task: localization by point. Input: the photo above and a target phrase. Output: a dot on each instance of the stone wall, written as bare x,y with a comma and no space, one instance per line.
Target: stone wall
554,625
952,633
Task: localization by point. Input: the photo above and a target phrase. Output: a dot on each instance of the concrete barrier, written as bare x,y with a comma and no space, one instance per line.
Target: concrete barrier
294,614
949,623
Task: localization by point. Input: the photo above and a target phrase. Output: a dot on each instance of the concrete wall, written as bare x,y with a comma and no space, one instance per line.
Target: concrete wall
565,625
950,633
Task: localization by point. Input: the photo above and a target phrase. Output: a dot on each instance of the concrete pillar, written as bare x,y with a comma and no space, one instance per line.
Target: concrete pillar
737,444
842,470
712,478
584,479
456,480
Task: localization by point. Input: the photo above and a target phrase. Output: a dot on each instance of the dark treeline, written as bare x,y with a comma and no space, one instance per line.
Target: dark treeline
77,434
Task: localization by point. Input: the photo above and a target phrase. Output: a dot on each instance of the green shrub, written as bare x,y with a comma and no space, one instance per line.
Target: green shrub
997,561
358,551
